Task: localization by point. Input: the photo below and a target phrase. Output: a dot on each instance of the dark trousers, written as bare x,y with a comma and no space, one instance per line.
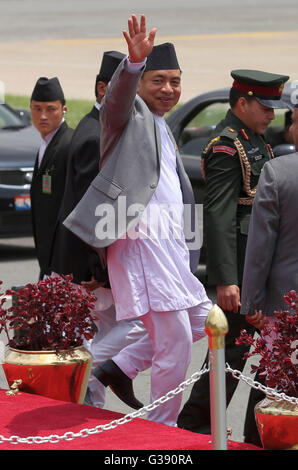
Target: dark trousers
195,415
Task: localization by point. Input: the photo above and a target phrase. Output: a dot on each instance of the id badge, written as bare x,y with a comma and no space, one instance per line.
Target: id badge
46,184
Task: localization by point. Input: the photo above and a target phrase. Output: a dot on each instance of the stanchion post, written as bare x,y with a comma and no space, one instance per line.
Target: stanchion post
216,327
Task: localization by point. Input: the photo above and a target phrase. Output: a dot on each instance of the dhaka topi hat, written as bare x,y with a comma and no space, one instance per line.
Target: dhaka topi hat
109,63
162,57
47,89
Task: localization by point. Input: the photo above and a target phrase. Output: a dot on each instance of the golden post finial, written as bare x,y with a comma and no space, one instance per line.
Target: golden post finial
216,327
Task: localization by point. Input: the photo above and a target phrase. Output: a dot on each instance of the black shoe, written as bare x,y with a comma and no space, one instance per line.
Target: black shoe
256,441
111,375
88,400
193,427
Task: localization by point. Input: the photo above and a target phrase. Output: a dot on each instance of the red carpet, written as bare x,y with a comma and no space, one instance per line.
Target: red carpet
32,415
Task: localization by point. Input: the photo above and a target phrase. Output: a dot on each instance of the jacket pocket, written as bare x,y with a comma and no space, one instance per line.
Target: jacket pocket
106,186
256,167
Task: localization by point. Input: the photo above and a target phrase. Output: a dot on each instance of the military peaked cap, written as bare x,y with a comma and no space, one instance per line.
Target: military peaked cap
263,86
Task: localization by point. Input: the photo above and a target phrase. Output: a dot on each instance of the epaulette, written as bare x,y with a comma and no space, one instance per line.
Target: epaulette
226,132
244,134
229,132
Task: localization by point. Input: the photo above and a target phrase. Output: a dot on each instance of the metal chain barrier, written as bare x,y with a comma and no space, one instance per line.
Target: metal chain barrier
69,436
270,392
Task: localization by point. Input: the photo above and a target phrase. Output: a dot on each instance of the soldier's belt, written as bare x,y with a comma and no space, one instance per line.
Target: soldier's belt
245,201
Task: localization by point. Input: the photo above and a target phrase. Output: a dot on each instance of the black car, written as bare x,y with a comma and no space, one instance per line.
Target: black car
193,123
19,142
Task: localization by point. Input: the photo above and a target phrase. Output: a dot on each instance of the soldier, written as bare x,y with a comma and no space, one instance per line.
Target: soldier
231,165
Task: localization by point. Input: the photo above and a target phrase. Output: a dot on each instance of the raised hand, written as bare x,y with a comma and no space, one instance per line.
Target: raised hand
139,44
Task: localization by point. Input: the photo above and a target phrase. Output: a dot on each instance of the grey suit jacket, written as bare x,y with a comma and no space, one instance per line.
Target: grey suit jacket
130,169
271,262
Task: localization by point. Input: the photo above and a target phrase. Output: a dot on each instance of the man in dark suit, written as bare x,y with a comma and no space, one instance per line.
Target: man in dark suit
73,256
48,182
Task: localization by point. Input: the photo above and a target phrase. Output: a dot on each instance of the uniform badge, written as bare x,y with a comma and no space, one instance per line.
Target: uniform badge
251,154
244,134
253,150
223,149
46,184
270,150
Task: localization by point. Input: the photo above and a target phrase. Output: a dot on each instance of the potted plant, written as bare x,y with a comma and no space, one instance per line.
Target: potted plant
45,330
277,349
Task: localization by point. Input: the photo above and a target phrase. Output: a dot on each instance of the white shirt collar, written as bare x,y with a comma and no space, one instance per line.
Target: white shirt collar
45,142
47,139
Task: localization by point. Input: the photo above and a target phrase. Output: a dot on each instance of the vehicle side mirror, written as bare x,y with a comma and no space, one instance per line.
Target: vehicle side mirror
283,149
25,115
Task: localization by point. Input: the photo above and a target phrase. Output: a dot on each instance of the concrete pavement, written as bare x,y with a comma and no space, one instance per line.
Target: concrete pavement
206,60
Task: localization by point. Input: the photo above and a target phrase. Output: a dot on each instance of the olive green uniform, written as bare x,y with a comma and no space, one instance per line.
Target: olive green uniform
232,163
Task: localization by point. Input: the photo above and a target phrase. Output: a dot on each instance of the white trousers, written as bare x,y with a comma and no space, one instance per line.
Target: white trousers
111,337
167,349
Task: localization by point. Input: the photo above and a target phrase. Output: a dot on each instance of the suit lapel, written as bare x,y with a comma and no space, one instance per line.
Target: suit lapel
94,113
158,141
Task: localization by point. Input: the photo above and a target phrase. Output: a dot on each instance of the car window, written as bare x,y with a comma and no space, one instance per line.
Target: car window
210,115
8,119
197,132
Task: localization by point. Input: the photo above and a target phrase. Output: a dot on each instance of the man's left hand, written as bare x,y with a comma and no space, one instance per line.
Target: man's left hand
93,284
258,320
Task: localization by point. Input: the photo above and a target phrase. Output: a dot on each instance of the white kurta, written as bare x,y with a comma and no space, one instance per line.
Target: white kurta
149,269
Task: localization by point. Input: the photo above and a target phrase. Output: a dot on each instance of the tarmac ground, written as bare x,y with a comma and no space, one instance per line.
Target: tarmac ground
206,60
